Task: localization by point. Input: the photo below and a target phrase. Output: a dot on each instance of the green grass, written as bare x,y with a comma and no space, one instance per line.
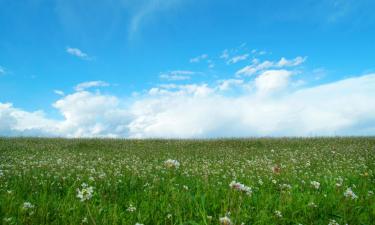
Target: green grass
47,173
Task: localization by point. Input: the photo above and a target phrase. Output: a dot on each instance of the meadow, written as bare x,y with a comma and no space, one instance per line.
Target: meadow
224,181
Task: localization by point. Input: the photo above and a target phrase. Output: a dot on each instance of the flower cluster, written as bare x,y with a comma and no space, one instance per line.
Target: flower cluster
315,184
240,187
225,220
131,208
350,194
333,222
85,193
172,163
27,205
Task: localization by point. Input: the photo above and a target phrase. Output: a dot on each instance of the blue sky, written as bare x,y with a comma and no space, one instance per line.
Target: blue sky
127,50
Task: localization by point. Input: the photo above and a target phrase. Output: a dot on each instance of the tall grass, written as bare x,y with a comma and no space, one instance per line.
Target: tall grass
132,184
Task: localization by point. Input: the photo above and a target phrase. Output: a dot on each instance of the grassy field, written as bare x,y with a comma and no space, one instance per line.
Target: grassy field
244,181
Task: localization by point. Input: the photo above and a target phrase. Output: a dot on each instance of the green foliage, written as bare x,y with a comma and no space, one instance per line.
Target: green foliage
131,183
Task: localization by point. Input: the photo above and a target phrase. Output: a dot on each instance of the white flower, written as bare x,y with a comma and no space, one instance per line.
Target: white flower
370,193
285,186
316,184
27,205
85,220
240,187
138,223
339,182
172,163
350,194
333,222
312,204
7,220
131,208
225,221
86,192
278,214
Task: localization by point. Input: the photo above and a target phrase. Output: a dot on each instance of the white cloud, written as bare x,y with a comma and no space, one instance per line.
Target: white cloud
90,84
272,80
238,58
177,75
225,54
199,58
343,107
225,85
293,62
257,66
59,92
2,70
77,52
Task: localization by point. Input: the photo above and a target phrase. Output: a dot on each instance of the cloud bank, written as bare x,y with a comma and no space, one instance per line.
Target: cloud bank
265,106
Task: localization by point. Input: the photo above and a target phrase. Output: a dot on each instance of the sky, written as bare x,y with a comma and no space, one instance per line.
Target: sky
187,68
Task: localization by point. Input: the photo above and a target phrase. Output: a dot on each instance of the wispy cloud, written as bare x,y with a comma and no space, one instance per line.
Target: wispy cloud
198,58
258,66
59,92
78,52
144,10
237,58
176,75
89,84
2,70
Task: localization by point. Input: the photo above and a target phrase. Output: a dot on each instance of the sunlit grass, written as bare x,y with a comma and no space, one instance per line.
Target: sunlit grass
248,181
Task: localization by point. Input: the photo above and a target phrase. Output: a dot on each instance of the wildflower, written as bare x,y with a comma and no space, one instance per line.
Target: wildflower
225,221
316,184
312,204
86,192
370,193
138,223
339,182
333,222
185,187
285,186
278,214
85,220
172,163
240,187
276,169
131,208
7,220
169,216
27,205
350,194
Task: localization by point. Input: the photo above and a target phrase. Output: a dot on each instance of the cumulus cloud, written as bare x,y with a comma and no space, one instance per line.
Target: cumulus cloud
344,107
272,80
77,52
90,84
